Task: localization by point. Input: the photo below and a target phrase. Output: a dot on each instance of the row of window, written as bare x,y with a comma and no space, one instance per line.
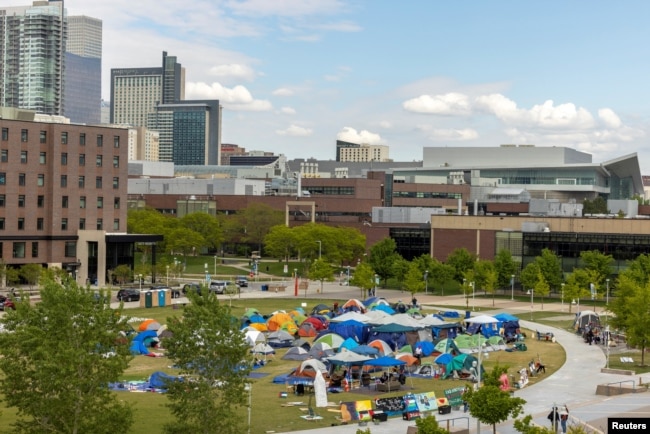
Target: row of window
40,180
19,248
24,137
40,224
42,158
40,201
428,194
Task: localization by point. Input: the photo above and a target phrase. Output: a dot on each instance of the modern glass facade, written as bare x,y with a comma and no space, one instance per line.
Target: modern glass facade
412,242
189,143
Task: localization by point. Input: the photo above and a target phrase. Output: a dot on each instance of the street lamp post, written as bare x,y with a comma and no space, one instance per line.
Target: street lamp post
473,295
140,281
426,282
512,287
320,246
562,295
205,266
215,265
607,293
532,303
466,294
249,388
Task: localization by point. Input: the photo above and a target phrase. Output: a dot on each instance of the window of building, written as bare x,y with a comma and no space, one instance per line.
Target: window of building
82,224
22,179
64,159
64,224
100,224
70,249
100,140
116,182
98,182
116,161
21,223
42,157
2,200
100,202
21,201
40,201
98,161
1,247
82,159
64,181
64,201
64,138
42,137
2,223
116,141
34,249
3,178
40,180
82,202
82,181
23,157
24,136
4,155
40,224
5,134
82,139
116,224
19,249
116,203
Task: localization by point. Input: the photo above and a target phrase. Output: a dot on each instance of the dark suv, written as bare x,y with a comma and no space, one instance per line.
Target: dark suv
128,294
193,286
241,281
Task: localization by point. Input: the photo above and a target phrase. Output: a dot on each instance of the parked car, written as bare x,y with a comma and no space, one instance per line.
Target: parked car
176,293
241,281
192,286
218,286
128,294
6,303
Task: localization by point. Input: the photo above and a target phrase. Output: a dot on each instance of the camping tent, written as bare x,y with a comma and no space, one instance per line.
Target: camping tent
382,346
282,321
332,339
296,353
321,350
279,339
159,380
585,318
463,365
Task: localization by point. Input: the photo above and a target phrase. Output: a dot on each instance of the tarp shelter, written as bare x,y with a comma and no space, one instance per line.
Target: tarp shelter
384,362
348,358
586,318
508,323
296,353
484,324
160,380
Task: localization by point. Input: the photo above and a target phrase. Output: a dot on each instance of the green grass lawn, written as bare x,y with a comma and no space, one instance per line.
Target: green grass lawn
268,412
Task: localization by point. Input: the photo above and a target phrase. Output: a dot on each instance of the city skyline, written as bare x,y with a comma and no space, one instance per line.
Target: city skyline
294,76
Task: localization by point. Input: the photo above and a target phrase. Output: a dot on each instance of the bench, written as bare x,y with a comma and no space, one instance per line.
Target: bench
548,336
627,360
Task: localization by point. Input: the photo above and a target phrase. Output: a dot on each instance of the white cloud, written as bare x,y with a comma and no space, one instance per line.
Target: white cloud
236,98
283,91
454,134
285,8
288,111
386,124
351,135
295,131
233,71
545,115
448,104
609,118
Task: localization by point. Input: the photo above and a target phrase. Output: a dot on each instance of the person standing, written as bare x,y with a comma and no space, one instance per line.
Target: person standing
564,417
554,417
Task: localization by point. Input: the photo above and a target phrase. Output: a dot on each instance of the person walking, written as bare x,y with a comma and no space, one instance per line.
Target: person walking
564,417
554,418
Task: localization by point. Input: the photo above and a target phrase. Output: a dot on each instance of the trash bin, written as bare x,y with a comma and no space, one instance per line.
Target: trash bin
468,314
265,287
148,299
161,297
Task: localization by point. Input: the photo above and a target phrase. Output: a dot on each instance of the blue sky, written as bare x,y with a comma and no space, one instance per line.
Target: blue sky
295,75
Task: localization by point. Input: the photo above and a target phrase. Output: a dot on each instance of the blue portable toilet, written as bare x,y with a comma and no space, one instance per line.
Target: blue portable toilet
161,297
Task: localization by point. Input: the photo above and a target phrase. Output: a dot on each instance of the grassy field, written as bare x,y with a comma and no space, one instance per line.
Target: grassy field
268,411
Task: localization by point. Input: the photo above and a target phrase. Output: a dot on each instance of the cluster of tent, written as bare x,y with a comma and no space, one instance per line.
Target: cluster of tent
372,334
147,336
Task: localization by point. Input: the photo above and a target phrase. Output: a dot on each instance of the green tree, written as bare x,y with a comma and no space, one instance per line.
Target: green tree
12,276
577,284
205,225
414,281
486,277
123,274
469,286
429,425
491,405
541,288
596,206
258,219
58,356
462,261
382,256
320,270
280,243
551,267
364,278
506,268
529,275
637,324
400,268
213,357
31,273
441,274
184,241
526,426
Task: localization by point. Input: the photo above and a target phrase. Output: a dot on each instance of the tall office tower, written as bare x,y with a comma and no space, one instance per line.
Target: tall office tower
83,70
190,132
32,60
135,92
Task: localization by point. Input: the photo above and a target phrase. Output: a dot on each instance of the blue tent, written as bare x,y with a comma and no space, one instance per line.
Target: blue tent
140,341
349,344
426,346
365,350
160,380
384,308
384,361
444,358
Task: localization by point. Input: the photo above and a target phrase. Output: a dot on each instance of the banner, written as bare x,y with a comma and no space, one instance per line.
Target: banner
455,396
426,401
